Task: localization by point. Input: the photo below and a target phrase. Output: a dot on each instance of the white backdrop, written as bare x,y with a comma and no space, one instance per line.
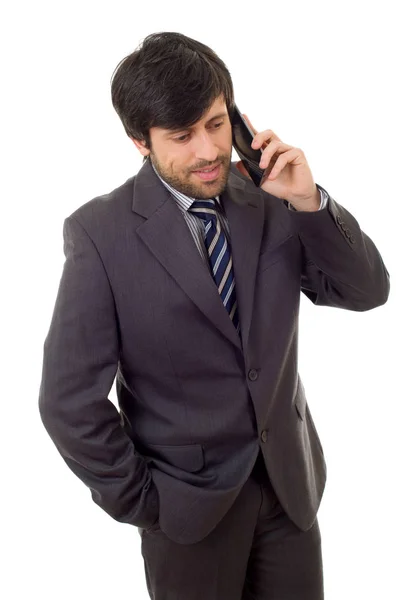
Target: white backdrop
324,76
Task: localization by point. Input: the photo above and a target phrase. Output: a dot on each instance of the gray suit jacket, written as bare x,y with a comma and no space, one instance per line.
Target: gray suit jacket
197,403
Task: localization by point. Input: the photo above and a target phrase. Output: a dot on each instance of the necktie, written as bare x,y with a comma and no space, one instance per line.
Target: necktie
219,255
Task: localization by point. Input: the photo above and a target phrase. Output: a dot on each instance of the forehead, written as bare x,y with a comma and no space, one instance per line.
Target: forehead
218,106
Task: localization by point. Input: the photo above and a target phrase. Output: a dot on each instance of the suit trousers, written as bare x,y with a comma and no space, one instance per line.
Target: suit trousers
254,553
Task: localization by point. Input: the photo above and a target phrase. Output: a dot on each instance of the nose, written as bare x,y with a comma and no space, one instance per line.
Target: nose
205,149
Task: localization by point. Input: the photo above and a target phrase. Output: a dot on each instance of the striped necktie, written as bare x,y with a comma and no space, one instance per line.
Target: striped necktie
219,256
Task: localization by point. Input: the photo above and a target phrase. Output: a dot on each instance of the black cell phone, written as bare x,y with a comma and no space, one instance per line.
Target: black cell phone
242,138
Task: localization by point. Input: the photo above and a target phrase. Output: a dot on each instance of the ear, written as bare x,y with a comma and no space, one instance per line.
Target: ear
141,147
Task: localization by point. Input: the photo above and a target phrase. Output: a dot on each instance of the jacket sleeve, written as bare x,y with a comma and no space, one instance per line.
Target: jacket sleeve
80,360
341,266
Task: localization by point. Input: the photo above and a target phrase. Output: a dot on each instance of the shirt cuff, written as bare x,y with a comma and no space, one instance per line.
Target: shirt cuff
324,200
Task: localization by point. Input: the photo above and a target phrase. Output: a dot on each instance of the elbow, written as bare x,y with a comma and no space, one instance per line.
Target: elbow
377,296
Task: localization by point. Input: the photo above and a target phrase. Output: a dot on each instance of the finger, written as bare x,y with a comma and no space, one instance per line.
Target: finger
261,139
246,118
273,147
283,160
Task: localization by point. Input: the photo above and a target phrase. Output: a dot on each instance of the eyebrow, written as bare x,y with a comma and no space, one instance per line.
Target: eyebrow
175,131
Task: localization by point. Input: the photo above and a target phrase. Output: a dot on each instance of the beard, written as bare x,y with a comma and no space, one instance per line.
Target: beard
189,184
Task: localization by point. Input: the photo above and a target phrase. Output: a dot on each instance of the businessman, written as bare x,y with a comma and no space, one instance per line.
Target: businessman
184,284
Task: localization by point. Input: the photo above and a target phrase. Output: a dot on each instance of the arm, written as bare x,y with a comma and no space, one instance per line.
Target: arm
81,354
341,265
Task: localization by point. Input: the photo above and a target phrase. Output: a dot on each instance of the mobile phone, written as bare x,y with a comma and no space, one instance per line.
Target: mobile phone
242,138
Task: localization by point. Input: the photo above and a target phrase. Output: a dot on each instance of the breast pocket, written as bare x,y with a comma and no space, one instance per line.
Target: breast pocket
276,253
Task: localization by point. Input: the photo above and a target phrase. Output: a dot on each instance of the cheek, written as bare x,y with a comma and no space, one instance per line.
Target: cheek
228,140
175,162
226,149
181,169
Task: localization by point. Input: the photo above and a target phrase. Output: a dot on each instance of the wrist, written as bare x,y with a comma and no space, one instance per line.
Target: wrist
311,204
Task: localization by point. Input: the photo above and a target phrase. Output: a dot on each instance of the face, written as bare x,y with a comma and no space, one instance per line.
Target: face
177,155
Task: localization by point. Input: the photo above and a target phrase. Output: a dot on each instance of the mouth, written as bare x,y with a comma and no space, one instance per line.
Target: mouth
207,175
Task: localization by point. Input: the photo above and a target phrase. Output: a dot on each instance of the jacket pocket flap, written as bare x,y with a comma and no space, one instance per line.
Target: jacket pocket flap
189,457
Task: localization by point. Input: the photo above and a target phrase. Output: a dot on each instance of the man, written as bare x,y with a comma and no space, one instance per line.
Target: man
185,285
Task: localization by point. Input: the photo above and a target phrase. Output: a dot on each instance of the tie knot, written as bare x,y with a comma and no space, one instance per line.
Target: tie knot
205,209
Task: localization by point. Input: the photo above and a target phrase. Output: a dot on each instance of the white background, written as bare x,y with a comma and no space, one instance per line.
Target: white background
322,75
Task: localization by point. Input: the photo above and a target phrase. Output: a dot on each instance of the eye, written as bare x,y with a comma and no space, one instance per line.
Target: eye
182,138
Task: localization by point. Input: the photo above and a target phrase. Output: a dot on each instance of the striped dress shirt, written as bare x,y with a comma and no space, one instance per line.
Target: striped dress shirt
197,225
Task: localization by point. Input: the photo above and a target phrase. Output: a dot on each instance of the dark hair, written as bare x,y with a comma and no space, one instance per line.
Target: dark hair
169,82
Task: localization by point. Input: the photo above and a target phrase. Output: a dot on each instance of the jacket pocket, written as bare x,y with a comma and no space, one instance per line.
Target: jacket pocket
189,457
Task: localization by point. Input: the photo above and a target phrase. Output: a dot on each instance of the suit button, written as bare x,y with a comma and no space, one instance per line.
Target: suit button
352,239
339,220
347,233
253,375
264,435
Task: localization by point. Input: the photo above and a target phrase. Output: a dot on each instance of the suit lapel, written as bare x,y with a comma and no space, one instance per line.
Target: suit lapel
168,237
244,207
